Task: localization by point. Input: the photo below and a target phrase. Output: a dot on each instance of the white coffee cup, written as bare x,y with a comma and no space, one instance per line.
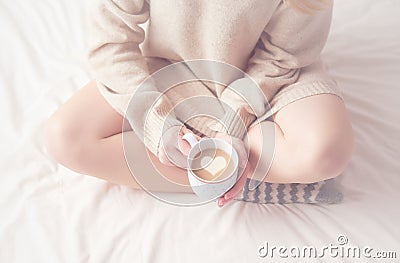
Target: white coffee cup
210,190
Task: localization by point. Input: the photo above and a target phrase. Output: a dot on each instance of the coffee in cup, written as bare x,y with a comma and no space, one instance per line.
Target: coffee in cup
212,164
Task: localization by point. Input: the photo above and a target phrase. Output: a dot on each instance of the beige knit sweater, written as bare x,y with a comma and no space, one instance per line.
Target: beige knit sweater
265,38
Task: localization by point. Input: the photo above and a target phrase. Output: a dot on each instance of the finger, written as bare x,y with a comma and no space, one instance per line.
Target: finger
233,193
170,155
184,145
220,202
224,201
162,157
235,190
186,130
177,158
238,187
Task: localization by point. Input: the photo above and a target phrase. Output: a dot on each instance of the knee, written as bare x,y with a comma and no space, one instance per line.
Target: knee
326,158
61,139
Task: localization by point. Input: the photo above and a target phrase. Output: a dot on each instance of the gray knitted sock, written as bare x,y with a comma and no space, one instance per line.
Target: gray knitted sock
327,191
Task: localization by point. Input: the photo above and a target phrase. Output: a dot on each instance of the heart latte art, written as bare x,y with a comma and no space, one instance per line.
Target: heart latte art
212,165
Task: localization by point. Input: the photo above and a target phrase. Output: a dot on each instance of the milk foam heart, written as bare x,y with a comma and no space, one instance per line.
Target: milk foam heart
211,178
213,165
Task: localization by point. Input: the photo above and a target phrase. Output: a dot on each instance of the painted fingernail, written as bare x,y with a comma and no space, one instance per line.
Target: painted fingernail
226,197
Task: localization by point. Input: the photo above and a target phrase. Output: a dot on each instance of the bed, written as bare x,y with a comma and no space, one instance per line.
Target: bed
51,214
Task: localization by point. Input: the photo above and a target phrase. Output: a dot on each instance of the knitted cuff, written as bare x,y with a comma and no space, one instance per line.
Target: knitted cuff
159,119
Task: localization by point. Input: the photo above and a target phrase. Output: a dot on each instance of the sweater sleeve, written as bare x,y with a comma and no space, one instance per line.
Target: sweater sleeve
290,41
117,64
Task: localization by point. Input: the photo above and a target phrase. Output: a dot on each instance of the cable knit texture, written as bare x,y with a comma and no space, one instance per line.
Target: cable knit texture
277,47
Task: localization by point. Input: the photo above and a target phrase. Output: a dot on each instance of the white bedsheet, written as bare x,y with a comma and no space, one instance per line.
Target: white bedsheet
50,214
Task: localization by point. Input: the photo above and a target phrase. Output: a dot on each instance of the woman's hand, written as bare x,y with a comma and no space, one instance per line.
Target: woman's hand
173,150
243,171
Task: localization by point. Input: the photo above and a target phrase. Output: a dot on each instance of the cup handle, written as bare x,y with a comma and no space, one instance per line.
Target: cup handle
189,137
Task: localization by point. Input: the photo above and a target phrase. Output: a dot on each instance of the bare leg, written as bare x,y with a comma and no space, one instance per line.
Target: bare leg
313,141
84,134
